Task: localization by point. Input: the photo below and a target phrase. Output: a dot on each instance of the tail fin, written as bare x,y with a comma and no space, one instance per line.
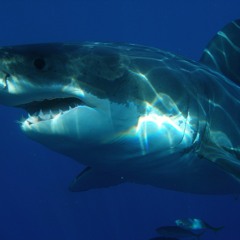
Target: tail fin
223,52
215,229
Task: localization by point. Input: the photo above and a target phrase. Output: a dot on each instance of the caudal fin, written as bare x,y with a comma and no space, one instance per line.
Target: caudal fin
215,229
223,52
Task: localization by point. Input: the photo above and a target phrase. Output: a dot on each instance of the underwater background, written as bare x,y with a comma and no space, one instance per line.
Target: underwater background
34,201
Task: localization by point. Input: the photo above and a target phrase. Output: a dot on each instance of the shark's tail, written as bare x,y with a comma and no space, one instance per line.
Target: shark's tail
215,229
223,52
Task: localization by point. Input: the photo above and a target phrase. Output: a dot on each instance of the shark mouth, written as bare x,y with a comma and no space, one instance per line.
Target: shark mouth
49,109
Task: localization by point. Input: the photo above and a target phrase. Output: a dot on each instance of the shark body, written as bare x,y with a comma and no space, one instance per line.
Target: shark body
132,113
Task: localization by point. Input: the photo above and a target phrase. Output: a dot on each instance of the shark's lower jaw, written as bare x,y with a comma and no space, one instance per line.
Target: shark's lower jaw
46,110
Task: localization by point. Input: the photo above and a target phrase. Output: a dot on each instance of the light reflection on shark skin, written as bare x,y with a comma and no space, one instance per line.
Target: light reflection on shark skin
131,113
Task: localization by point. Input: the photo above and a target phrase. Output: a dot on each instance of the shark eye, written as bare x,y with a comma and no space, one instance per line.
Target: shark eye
39,63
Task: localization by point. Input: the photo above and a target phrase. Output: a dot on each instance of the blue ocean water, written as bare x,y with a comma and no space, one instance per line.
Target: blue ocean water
35,202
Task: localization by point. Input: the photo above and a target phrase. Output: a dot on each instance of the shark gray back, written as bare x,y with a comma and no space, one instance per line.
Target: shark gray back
132,113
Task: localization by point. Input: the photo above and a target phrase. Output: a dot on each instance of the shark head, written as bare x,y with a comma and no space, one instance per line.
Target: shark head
84,99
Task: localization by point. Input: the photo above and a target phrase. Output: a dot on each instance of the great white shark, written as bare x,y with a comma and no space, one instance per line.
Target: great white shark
132,113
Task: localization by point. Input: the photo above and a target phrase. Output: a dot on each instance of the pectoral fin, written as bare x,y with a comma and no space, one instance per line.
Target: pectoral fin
91,178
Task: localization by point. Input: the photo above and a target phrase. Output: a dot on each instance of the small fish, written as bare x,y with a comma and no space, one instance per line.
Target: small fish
196,224
176,232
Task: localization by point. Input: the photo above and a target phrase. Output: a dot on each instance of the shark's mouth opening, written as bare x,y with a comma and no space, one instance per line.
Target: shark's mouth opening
49,109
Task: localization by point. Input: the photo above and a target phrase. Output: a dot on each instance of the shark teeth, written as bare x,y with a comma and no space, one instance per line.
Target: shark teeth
43,116
48,109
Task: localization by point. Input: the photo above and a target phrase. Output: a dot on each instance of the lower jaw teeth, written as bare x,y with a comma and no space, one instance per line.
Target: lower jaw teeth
43,117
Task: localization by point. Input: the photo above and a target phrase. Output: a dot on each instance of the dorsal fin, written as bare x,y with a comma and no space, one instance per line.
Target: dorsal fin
223,52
